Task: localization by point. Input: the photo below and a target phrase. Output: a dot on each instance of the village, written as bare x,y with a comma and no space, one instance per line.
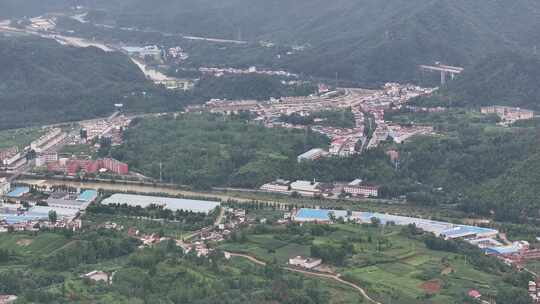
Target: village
367,107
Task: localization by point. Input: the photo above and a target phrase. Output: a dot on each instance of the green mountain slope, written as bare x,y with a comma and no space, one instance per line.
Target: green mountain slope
369,41
502,79
42,81
515,194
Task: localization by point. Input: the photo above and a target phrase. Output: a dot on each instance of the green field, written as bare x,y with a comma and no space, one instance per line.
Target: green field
28,244
392,267
19,137
85,150
162,274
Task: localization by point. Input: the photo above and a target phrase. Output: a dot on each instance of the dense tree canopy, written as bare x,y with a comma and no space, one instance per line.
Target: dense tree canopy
208,150
259,87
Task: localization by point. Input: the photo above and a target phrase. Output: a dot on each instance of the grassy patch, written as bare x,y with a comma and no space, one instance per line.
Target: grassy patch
19,137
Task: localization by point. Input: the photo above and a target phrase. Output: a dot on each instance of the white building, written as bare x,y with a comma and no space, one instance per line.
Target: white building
174,204
358,188
149,50
98,276
306,188
307,263
48,140
509,114
5,186
45,158
278,185
12,159
312,154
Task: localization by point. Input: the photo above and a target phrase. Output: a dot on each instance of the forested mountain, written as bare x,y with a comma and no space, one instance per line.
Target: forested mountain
17,8
42,81
515,193
366,40
369,41
259,87
507,78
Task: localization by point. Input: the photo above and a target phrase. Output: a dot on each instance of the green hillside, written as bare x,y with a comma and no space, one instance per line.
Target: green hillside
42,82
508,79
503,79
515,193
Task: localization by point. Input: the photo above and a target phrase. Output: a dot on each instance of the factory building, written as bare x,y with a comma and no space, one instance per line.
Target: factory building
173,204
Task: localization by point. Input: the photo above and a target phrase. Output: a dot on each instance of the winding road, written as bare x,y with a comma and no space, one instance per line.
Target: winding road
311,274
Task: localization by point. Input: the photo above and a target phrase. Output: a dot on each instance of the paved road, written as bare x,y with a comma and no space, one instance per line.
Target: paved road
219,217
312,274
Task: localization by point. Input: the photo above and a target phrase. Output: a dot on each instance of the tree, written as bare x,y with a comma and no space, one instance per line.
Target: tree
52,216
375,222
513,295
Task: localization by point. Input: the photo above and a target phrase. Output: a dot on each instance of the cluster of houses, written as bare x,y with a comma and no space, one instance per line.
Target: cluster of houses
14,158
344,141
11,158
508,114
236,219
534,290
22,210
177,54
74,166
218,72
111,128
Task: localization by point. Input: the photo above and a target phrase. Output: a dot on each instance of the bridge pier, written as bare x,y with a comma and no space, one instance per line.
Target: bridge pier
444,70
443,78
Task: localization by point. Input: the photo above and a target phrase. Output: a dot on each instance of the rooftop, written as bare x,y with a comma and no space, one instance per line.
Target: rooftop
18,192
87,196
167,202
42,211
311,153
12,219
440,228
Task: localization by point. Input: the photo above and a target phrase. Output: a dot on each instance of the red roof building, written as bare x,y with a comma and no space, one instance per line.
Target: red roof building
475,294
73,166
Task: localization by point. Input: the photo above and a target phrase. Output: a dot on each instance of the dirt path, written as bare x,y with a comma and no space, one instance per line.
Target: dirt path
312,274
